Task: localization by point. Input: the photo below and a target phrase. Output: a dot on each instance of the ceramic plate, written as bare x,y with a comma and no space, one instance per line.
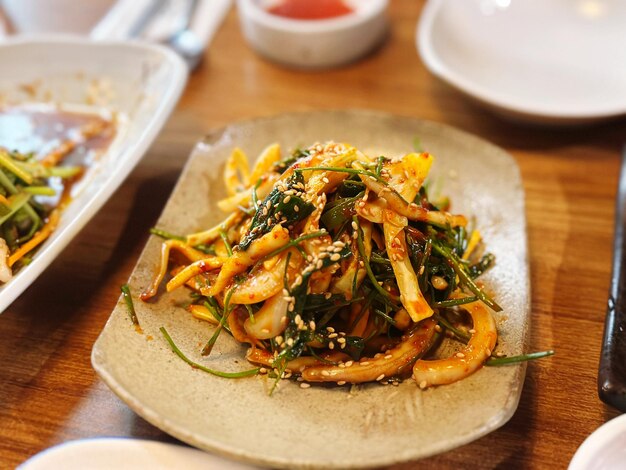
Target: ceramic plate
141,83
548,62
322,427
125,454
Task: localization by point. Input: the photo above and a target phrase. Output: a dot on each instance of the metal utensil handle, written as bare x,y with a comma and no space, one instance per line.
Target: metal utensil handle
612,371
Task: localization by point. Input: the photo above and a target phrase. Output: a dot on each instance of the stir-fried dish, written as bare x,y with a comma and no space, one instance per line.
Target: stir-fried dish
42,154
335,266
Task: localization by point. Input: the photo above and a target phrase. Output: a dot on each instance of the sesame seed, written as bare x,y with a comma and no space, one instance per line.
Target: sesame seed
488,351
423,384
330,329
333,335
341,382
325,373
460,355
290,342
380,377
349,363
354,225
263,370
335,257
331,345
286,199
319,264
472,331
325,180
500,354
341,340
265,330
304,385
296,209
328,295
312,325
388,356
298,319
364,363
438,328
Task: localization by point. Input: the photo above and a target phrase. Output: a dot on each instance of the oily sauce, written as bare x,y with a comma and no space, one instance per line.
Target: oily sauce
58,136
311,9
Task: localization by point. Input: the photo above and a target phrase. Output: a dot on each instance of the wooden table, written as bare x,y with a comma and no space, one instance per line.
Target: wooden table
50,394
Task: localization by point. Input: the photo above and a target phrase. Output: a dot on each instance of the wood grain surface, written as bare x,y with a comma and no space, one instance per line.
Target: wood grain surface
50,394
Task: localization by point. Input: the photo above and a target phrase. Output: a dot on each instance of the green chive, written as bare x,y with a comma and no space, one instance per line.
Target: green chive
503,361
195,365
129,304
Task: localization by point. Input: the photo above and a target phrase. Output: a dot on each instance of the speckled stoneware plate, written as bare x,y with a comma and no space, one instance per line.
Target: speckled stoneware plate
322,427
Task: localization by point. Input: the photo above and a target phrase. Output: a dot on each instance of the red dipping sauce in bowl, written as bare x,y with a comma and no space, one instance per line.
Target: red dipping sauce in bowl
311,9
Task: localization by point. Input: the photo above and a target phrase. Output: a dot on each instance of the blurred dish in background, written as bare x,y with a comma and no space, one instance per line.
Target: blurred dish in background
136,84
270,28
54,16
558,62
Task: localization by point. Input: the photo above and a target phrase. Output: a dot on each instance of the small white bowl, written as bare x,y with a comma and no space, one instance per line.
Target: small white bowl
313,43
605,449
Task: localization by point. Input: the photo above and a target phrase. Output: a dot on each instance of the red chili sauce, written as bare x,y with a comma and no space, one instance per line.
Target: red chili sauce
311,9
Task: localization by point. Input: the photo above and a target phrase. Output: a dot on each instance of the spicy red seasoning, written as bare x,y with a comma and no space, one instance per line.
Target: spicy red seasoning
311,9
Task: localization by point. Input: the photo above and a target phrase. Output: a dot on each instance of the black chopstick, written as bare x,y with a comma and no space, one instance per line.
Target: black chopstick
612,371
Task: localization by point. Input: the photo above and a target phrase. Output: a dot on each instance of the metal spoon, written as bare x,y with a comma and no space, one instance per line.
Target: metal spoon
185,41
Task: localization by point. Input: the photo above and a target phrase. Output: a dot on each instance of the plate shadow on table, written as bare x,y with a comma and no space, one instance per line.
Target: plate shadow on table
57,319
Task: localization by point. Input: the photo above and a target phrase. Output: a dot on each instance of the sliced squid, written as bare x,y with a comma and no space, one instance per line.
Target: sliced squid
409,209
265,358
209,236
264,162
469,359
398,252
244,198
269,279
242,260
390,364
236,172
189,252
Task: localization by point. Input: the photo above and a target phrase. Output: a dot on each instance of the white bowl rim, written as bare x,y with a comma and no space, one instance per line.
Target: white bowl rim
484,94
587,452
252,10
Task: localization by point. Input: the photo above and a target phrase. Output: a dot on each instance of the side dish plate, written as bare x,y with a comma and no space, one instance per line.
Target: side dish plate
138,83
321,427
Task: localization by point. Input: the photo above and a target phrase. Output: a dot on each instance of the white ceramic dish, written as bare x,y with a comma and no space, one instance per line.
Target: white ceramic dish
313,43
605,449
139,82
321,427
126,454
543,61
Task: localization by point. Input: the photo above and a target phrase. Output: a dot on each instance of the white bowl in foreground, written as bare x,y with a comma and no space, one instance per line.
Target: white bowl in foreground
140,83
319,43
553,62
605,449
126,454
